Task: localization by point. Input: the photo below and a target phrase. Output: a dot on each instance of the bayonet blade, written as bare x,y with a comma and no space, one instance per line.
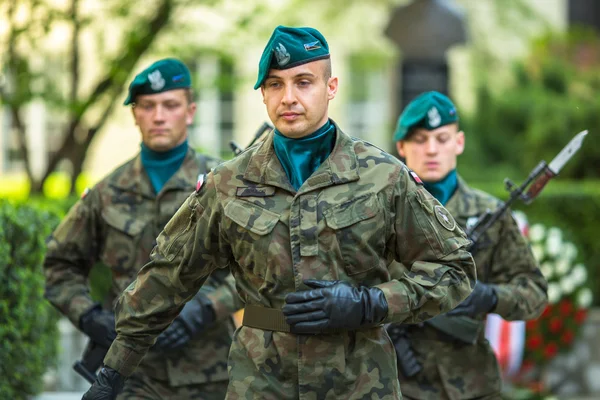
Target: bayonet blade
567,152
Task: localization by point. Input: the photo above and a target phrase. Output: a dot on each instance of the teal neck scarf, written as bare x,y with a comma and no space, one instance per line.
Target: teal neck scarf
301,157
162,165
443,189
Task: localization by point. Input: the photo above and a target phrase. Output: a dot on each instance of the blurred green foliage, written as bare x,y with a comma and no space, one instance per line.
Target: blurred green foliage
554,96
571,206
28,329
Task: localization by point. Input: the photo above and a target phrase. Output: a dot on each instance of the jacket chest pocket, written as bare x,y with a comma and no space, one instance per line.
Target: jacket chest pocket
123,244
359,229
250,234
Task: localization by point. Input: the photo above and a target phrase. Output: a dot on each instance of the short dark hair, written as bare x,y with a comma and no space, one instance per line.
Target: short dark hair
328,72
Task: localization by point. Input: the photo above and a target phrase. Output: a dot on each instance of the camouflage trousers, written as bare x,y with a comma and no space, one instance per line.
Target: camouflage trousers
495,396
141,387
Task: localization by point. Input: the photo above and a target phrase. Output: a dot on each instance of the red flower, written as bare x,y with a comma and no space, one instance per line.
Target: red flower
547,312
567,337
555,325
550,350
534,342
580,315
566,307
531,325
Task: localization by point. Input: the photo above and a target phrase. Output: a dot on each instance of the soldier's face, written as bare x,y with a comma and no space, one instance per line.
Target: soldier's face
163,118
432,154
297,99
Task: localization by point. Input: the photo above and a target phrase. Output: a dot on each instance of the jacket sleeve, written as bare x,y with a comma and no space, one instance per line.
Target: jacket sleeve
188,249
520,286
71,252
225,299
438,271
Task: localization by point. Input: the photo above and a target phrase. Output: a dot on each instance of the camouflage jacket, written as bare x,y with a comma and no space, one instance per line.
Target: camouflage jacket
451,369
357,212
116,223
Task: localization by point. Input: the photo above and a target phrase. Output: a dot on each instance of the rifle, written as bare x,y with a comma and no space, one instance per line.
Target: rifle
265,127
466,329
91,361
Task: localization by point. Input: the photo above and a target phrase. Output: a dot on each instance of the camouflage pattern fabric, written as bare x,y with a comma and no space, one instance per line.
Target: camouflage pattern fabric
359,211
117,223
141,387
454,370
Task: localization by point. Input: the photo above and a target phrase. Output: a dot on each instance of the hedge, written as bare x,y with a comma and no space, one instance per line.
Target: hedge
28,323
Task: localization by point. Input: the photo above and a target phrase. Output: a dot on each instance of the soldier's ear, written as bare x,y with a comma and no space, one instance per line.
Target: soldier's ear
400,148
460,143
133,114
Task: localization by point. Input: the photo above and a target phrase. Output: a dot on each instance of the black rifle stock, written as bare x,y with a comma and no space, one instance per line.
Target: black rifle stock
91,361
265,127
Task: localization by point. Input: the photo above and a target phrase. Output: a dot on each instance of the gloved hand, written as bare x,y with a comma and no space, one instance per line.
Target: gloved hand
195,317
482,300
334,305
408,364
99,325
108,385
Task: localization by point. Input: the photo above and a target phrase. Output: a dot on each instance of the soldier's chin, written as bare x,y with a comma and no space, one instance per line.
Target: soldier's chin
431,176
160,144
291,130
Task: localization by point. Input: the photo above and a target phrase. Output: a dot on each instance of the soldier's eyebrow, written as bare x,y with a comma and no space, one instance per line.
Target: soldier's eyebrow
299,75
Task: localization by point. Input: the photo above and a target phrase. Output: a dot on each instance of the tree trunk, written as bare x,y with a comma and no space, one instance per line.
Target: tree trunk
137,43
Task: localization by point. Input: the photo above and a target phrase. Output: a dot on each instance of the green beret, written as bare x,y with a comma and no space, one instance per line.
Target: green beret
429,110
289,47
163,75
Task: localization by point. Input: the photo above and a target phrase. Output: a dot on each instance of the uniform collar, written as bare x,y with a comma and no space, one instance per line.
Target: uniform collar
133,177
340,167
462,202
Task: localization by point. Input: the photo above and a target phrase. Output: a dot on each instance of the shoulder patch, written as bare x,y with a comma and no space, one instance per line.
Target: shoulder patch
415,177
200,183
85,193
444,218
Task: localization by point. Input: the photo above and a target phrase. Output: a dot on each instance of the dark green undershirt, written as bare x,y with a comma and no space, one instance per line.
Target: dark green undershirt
162,165
301,157
443,189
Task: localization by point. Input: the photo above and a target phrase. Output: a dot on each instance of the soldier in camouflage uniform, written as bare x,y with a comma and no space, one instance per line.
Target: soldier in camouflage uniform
308,220
117,222
509,282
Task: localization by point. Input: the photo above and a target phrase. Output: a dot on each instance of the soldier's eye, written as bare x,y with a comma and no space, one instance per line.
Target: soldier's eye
146,106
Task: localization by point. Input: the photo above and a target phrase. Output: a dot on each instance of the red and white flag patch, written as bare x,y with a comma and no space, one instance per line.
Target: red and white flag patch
201,178
415,177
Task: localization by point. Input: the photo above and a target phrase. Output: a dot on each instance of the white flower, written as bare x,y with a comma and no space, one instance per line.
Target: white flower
547,269
538,252
562,266
554,293
554,242
579,274
569,251
537,233
567,285
584,298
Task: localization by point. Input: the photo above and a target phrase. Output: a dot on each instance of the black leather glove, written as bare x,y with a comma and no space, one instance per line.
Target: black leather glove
99,325
408,364
482,300
108,385
334,305
195,317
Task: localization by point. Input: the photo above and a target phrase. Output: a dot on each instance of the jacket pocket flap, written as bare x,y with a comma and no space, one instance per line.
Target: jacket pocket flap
251,217
351,212
123,221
